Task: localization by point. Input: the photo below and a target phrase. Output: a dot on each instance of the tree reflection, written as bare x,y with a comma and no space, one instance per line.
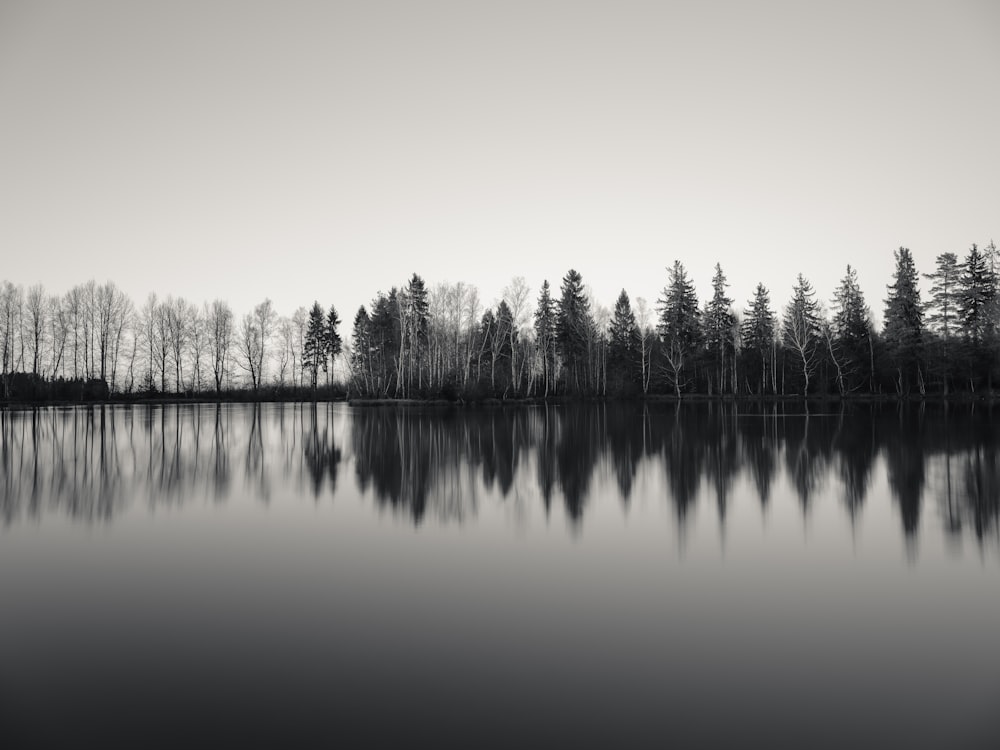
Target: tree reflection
91,462
759,449
905,466
322,456
855,450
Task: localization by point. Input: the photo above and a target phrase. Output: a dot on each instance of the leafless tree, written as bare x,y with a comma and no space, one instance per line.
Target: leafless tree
516,295
35,311
646,336
220,339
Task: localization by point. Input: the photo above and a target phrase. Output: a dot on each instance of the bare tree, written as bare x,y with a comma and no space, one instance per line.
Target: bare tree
265,320
35,310
646,336
286,349
299,321
178,316
58,332
220,339
198,345
248,348
516,295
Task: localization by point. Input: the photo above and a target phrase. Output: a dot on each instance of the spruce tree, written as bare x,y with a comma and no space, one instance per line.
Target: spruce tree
416,322
718,324
361,355
680,324
314,347
331,337
545,333
624,344
976,290
904,323
573,327
851,330
943,306
801,328
757,331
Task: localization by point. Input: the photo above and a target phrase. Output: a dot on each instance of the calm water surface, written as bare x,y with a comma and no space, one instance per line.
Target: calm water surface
704,576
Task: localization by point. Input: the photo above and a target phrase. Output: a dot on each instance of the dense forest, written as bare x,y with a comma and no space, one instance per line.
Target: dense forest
420,341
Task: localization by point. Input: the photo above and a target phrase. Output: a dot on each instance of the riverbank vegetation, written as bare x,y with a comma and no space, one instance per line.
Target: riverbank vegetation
440,342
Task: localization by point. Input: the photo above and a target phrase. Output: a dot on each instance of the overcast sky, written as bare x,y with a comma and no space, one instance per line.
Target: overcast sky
323,150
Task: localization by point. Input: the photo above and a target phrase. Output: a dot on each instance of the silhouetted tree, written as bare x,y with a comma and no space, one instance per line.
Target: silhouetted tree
679,326
759,335
314,351
943,305
851,341
718,321
331,337
903,330
624,345
573,327
545,335
801,328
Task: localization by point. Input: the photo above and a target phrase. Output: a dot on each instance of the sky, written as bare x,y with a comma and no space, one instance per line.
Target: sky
325,151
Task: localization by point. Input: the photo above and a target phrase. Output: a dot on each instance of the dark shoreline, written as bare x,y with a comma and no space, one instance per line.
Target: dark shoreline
959,398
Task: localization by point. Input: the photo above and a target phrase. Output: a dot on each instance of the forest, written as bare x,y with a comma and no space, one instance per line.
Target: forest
440,342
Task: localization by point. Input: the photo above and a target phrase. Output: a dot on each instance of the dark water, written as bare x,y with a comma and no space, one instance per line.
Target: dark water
591,575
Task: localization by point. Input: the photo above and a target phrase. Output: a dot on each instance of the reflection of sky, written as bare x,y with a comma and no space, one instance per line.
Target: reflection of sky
272,610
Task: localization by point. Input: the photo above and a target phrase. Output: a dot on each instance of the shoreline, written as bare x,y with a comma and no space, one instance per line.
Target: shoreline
958,398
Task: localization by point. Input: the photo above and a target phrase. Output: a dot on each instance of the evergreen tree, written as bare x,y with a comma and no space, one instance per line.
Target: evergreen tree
904,323
331,337
679,326
758,332
385,342
545,333
314,347
503,351
976,290
573,326
361,356
850,342
976,303
801,328
624,344
416,323
718,323
943,305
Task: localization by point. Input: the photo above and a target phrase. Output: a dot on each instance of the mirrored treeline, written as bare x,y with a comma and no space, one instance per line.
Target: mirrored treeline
92,463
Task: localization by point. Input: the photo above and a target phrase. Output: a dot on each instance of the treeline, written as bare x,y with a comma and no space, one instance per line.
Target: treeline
418,343
440,342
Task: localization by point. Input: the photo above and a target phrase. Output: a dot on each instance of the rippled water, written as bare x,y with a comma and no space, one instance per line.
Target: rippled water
594,574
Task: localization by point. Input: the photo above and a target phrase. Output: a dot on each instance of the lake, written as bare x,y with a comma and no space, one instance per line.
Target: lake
596,574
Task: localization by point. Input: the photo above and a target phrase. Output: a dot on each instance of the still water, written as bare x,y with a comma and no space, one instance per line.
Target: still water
597,574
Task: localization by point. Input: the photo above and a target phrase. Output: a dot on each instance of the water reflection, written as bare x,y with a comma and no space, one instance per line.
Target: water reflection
90,463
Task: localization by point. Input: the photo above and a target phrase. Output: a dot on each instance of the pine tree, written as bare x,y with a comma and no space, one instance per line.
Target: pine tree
624,344
385,341
718,323
801,328
976,290
331,337
416,323
545,333
850,342
314,348
943,305
758,331
904,322
361,355
573,325
679,325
